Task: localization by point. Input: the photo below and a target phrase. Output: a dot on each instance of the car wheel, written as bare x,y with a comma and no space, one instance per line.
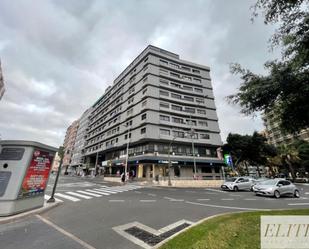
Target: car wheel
296,194
277,194
235,188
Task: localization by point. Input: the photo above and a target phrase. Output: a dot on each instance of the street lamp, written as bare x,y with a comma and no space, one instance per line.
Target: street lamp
169,161
127,156
193,150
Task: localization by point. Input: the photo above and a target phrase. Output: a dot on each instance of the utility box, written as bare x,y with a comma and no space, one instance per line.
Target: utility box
24,172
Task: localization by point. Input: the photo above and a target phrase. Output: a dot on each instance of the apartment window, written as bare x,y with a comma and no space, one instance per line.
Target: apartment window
164,105
129,112
164,118
204,136
174,65
177,120
162,62
162,81
163,71
131,90
189,109
175,85
195,71
179,134
176,96
198,90
197,80
144,103
186,78
126,136
187,88
144,116
143,130
165,132
145,79
202,123
176,108
163,93
145,68
191,122
144,91
146,59
175,75
200,111
131,100
198,100
187,98
185,68
194,136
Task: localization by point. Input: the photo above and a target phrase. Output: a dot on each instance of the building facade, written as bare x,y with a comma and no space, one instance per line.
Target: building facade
160,112
80,141
2,88
69,142
277,137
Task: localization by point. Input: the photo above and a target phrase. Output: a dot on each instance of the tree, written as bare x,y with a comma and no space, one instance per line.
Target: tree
285,88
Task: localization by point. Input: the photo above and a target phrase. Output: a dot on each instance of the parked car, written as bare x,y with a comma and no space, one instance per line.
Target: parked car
258,181
276,188
237,183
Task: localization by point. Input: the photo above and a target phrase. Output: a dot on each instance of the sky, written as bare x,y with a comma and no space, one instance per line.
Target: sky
59,56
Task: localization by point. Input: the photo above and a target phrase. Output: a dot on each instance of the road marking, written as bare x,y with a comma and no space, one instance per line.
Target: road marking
177,200
172,199
116,200
71,198
47,197
79,195
98,192
137,192
107,191
234,195
226,207
227,199
250,199
168,198
151,194
153,237
307,193
202,199
298,204
147,200
303,198
215,190
110,190
61,230
87,193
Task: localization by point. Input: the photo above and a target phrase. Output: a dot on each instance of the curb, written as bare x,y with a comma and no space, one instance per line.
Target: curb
15,217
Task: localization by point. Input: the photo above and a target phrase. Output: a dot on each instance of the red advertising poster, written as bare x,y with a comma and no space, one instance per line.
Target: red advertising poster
37,174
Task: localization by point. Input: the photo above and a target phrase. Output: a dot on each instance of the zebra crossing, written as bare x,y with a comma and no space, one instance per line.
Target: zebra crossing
87,194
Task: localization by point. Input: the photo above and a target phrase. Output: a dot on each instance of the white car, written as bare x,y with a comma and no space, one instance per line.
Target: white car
237,183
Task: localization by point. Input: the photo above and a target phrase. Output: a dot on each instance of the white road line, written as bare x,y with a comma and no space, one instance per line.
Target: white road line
47,197
147,200
190,191
215,190
168,198
226,207
307,193
227,199
71,236
152,194
137,192
234,195
71,198
250,199
78,195
87,193
116,200
298,204
304,198
112,189
202,199
107,191
177,200
98,192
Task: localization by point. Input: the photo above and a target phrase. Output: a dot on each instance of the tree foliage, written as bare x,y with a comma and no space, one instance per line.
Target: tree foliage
285,88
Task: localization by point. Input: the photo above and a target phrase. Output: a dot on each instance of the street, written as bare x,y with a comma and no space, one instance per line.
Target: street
98,214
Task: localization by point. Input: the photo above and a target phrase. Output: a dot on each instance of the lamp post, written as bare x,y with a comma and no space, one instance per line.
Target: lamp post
127,156
169,161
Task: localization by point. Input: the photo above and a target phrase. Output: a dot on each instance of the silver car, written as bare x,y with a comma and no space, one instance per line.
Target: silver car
237,183
276,188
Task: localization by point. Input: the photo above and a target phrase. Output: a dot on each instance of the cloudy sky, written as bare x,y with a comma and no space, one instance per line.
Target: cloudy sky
59,56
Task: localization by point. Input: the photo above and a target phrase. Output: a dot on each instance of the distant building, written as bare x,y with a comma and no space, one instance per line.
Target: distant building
2,89
277,137
80,141
69,143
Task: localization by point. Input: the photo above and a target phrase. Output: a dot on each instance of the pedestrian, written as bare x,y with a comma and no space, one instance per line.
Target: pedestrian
122,177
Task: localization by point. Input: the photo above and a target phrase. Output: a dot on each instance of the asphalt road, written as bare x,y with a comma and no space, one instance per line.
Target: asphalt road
94,214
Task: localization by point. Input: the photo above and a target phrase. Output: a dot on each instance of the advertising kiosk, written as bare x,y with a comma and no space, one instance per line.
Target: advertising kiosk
24,172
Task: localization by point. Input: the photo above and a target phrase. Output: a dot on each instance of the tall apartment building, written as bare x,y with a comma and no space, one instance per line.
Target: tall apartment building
158,109
80,141
275,136
69,142
2,89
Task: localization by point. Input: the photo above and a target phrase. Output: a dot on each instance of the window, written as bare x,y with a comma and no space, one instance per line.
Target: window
176,108
143,130
131,100
185,68
198,100
162,81
144,91
129,112
189,109
144,116
175,75
179,134
204,136
195,71
164,118
131,90
163,71
145,79
174,65
165,132
164,105
145,68
199,111
144,103
163,93
176,96
146,59
194,136
186,78
129,123
177,120
198,90
202,123
191,122
197,80
126,136
175,85
187,88
187,98
162,62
